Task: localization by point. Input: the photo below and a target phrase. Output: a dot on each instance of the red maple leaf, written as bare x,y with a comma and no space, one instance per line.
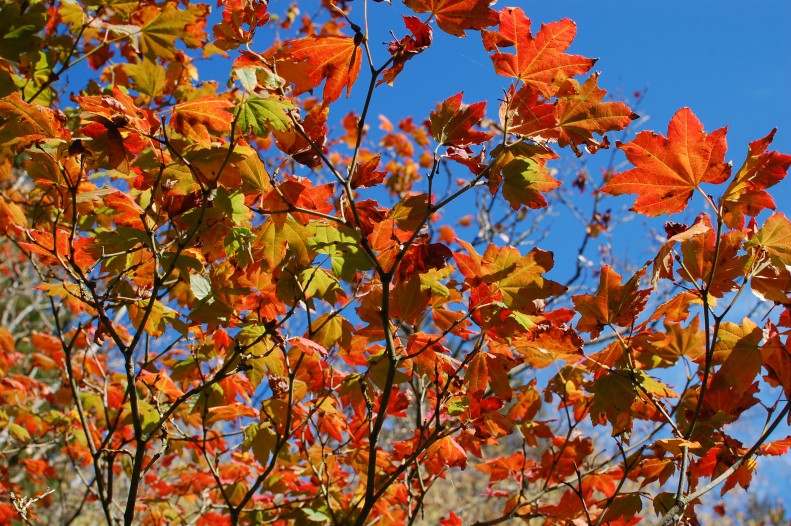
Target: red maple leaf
668,170
613,302
747,192
335,59
540,61
407,48
455,16
452,122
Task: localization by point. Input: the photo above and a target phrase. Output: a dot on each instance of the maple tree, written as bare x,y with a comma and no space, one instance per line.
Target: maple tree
246,307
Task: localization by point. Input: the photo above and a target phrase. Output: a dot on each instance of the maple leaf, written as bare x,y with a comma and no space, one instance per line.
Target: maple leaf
229,34
774,237
776,358
663,263
26,123
614,303
538,62
159,27
525,112
519,279
678,341
487,369
336,59
702,255
11,214
343,247
742,476
624,506
257,115
117,128
524,180
196,118
20,25
451,520
295,145
651,469
451,124
150,80
580,113
746,194
668,170
456,16
365,173
407,48
777,447
446,452
613,395
128,212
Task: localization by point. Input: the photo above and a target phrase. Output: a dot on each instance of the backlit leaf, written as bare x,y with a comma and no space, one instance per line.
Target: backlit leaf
524,181
746,194
581,112
257,115
452,122
336,59
614,303
199,118
454,16
668,170
540,61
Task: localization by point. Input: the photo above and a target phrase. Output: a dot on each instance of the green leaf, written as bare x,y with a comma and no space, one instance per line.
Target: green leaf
458,405
158,321
318,283
411,211
273,238
343,246
148,78
264,356
377,371
19,432
524,180
257,115
775,238
255,178
238,243
231,204
262,440
200,287
316,516
613,395
431,281
18,28
246,78
157,38
149,416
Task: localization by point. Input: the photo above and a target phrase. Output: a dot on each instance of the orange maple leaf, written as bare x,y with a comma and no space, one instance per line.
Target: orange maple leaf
613,302
580,112
540,61
747,192
454,16
452,122
668,170
334,58
196,118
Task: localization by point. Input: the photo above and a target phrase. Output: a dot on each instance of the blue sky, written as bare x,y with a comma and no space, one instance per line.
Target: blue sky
731,65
